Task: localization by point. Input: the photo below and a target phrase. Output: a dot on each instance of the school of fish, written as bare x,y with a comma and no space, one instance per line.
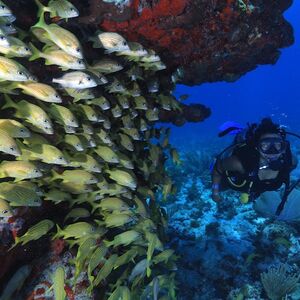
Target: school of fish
86,136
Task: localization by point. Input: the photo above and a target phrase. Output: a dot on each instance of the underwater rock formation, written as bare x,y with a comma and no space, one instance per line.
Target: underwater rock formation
207,41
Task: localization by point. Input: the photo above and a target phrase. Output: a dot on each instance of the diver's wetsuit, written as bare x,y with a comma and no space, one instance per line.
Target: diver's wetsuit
250,182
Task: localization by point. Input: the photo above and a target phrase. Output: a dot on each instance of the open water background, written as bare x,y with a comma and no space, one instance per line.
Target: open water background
269,90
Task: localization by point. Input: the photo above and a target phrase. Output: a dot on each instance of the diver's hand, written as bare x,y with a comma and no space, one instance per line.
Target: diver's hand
216,196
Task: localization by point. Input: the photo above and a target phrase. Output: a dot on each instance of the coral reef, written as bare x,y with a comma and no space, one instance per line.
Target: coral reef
219,40
278,282
225,248
207,41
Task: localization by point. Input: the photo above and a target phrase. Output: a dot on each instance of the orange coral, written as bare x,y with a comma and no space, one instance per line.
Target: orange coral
57,246
148,24
228,12
169,8
165,41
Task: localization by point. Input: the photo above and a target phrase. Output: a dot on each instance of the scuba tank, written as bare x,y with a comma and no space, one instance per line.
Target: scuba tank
231,128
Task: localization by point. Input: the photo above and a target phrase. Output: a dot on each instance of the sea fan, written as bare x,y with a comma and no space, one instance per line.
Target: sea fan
277,281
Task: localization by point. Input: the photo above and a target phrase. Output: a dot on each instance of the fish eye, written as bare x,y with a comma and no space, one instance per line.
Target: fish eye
2,7
72,9
36,170
21,130
5,211
79,61
89,78
26,49
12,148
56,96
45,121
2,37
77,49
124,43
60,158
21,73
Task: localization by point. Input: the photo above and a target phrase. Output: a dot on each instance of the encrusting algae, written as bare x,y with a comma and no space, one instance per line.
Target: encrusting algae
84,136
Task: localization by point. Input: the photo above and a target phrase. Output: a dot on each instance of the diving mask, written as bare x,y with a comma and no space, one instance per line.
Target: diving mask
272,145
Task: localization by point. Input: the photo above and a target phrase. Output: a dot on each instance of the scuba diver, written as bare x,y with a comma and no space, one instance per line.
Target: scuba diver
260,161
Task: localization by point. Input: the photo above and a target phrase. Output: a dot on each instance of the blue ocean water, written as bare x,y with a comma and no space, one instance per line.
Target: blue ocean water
225,248
269,90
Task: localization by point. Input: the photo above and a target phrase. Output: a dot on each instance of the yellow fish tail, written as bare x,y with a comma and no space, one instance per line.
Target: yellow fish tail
41,8
58,233
9,103
19,179
17,241
55,175
36,53
41,23
107,243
